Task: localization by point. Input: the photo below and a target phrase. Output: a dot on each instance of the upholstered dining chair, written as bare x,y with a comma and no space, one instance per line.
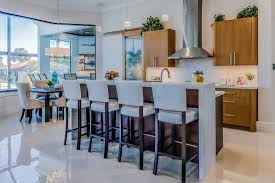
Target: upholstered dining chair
26,102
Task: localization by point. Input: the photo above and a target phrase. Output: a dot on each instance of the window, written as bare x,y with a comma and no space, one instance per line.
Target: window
18,49
61,65
3,33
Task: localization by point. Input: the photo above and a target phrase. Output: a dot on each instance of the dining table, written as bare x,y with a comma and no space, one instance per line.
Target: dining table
46,97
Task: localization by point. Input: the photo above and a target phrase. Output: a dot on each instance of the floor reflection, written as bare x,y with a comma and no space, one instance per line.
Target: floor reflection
31,153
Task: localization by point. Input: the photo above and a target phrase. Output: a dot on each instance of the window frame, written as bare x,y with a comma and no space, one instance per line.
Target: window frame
54,23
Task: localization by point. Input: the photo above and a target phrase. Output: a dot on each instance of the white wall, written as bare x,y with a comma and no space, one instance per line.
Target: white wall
112,55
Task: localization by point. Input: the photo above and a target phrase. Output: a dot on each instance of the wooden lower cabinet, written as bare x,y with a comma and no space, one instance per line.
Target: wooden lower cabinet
240,108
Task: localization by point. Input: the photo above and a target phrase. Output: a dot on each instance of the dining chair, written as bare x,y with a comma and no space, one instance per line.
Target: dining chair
42,76
100,103
74,100
60,104
130,99
25,100
171,108
70,76
32,78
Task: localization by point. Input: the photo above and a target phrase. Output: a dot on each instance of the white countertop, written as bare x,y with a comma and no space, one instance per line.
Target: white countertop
237,87
219,93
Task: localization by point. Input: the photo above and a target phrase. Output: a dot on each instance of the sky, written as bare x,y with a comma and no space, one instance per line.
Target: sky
24,34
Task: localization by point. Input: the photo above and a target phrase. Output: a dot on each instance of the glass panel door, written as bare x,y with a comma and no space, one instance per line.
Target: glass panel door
134,61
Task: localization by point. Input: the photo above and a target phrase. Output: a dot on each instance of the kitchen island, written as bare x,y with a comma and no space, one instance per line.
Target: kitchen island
202,133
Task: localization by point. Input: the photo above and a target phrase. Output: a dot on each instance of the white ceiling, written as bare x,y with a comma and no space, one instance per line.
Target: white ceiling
81,5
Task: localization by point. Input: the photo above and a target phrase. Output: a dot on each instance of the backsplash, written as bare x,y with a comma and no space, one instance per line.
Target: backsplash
184,71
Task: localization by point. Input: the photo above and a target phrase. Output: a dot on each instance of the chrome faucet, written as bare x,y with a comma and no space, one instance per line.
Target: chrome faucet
161,75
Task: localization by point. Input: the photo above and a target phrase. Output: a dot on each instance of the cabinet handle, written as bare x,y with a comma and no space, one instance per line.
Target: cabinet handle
230,58
231,102
154,62
230,93
157,61
229,115
234,58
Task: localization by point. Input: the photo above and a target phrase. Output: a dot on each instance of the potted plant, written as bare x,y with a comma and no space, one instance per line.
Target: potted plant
250,78
250,11
50,83
198,76
152,24
111,75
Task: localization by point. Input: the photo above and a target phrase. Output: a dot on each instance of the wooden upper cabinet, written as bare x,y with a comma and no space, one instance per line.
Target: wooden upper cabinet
158,46
223,43
236,42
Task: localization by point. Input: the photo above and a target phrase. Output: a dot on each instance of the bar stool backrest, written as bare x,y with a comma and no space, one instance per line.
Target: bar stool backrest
72,90
169,96
98,90
130,93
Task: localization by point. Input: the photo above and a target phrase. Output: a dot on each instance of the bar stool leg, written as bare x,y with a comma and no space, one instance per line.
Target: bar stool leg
141,137
101,124
157,139
106,130
57,113
79,126
66,128
113,126
183,149
88,121
120,137
128,129
91,137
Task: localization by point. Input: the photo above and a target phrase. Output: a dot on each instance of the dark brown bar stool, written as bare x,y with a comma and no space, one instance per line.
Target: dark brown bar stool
130,99
170,108
100,102
74,100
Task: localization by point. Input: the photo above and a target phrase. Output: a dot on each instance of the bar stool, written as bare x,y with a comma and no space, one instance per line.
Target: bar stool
74,100
130,99
100,102
170,107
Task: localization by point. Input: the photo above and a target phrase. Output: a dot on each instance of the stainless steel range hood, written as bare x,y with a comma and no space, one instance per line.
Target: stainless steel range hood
192,32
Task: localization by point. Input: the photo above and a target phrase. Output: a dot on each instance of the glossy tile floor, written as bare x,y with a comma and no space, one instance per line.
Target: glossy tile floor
35,153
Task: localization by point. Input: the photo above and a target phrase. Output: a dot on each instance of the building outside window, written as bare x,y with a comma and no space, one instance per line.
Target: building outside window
18,49
61,65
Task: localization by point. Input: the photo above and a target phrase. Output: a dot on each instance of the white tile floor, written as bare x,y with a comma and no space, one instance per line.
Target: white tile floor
35,153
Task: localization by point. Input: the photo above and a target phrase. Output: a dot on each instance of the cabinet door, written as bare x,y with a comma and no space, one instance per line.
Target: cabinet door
236,105
161,48
223,43
246,41
149,46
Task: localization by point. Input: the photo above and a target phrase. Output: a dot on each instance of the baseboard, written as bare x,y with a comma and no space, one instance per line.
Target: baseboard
266,126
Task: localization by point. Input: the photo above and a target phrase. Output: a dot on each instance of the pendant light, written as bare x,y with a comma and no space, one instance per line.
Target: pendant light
127,23
56,51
